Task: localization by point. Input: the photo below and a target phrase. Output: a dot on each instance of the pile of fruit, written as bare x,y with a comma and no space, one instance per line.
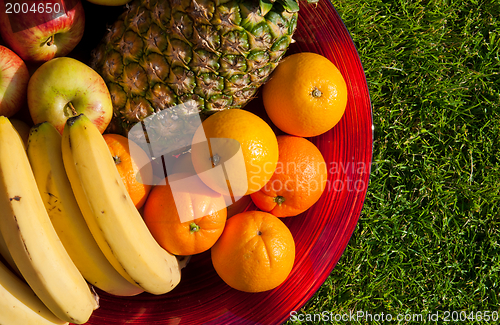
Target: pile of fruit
83,202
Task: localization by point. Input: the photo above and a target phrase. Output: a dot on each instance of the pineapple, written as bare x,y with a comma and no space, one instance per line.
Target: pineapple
188,58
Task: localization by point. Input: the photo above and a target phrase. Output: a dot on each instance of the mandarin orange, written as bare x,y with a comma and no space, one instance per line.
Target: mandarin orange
234,152
299,179
255,253
184,215
135,170
306,95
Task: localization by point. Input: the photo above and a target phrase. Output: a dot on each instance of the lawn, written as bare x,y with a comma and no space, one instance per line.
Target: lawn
427,240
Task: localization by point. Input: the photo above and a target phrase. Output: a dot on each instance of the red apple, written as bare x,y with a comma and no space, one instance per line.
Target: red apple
14,78
40,30
65,87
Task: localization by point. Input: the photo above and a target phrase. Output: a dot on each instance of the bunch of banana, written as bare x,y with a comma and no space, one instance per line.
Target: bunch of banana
45,156
32,240
109,212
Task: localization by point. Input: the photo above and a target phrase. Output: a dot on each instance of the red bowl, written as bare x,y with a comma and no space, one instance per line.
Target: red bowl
321,233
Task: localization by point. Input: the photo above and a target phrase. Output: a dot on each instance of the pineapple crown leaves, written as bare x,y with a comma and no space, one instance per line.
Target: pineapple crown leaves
288,5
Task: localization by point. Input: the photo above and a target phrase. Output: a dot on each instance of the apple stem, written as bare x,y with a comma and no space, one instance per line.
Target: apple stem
50,40
69,110
73,110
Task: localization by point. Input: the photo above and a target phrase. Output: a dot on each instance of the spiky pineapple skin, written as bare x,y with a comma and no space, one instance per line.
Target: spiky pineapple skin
213,54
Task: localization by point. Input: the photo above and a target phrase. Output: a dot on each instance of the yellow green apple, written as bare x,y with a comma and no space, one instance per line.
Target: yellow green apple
65,87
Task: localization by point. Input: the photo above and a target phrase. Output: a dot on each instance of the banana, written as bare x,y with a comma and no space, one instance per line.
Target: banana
113,219
20,305
4,251
45,156
32,240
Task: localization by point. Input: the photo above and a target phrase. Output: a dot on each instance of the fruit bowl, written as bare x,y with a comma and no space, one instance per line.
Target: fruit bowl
321,233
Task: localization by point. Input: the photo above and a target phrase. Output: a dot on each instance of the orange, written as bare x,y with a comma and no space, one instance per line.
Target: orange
255,253
135,169
185,216
298,181
234,152
306,95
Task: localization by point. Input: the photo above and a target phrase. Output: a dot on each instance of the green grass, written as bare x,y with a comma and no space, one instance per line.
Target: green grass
428,236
